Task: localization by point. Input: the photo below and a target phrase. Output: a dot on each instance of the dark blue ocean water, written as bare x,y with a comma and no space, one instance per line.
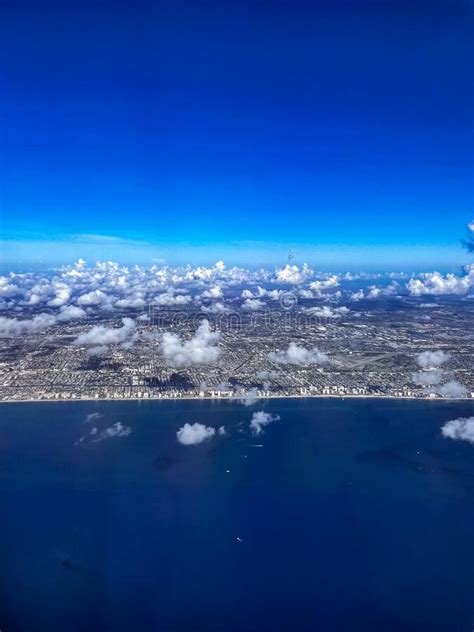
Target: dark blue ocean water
354,515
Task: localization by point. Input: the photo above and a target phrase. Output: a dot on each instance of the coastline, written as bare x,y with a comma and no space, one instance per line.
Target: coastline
229,399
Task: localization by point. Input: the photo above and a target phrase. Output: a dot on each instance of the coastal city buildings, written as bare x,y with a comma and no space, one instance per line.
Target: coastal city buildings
319,343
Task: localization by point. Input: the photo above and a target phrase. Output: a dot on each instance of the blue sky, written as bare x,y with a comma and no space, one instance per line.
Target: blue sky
186,130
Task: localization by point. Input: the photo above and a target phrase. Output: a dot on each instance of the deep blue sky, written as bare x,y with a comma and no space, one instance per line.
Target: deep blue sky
196,124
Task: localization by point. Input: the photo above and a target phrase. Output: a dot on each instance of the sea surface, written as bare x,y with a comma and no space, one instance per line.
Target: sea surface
354,515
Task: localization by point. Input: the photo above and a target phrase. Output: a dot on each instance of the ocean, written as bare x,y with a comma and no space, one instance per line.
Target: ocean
352,515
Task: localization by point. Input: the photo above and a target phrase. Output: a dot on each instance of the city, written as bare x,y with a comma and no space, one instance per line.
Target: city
233,339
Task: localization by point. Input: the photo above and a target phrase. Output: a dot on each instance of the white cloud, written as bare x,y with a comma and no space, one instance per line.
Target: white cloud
261,419
200,349
327,312
374,292
260,292
213,292
324,284
275,295
8,289
101,335
116,431
215,308
461,429
431,359
94,297
251,397
11,327
195,434
253,304
452,389
357,296
377,292
434,283
292,274
298,355
169,298
428,378
63,294
70,312
134,302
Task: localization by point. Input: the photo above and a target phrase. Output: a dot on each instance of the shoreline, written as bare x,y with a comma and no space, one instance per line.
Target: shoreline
230,399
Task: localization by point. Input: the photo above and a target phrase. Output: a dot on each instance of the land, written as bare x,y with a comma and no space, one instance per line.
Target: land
372,353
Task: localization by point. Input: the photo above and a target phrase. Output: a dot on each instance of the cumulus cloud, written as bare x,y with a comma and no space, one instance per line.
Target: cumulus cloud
70,312
94,297
118,430
435,284
215,308
275,295
298,355
213,292
292,274
431,359
200,349
261,419
428,378
357,296
193,434
134,302
461,429
327,312
324,284
63,294
108,285
377,292
8,289
452,389
170,298
251,397
258,293
11,327
253,304
100,335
